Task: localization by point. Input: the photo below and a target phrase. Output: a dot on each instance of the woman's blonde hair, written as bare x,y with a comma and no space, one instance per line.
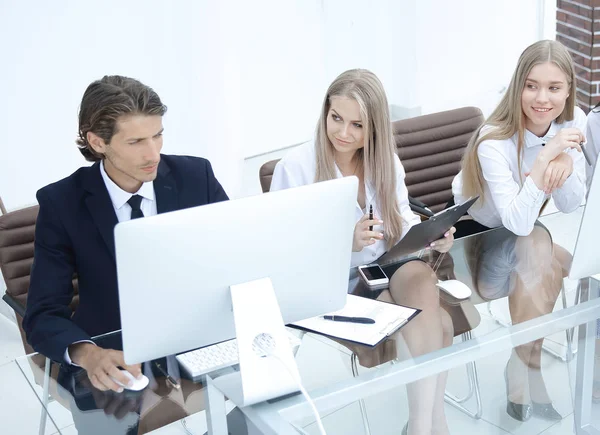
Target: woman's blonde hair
377,156
508,118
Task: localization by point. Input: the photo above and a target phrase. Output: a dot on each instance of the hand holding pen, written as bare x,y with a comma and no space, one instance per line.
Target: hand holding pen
364,234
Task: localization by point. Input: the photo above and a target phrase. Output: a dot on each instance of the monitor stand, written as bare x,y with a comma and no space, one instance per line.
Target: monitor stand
258,324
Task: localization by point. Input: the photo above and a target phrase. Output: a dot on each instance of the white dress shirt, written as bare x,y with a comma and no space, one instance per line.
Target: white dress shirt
593,142
514,205
119,200
298,168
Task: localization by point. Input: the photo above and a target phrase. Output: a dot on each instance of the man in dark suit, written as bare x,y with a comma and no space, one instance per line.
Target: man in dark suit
120,129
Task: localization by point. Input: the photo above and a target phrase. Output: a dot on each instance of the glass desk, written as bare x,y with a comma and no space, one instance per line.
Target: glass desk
74,406
362,390
20,410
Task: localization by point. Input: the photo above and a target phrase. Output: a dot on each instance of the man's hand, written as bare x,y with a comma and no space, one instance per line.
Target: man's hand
101,363
118,405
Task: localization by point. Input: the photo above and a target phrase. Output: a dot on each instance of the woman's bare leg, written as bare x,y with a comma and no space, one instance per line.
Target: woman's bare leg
414,285
439,422
537,284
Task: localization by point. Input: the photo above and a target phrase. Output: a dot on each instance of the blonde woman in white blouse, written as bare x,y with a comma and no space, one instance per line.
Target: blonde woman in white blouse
354,137
527,151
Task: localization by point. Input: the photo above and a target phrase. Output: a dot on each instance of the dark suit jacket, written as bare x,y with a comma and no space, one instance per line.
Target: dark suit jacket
74,234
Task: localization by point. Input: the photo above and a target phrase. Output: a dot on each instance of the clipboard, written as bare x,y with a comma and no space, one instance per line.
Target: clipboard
388,317
421,235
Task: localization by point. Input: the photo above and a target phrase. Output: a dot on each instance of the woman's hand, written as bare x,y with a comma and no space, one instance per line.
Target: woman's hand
363,236
557,172
444,244
565,139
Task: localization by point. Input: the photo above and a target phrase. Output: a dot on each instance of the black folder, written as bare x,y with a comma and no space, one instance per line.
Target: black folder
420,236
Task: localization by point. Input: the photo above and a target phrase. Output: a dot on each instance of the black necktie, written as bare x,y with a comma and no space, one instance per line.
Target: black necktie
135,201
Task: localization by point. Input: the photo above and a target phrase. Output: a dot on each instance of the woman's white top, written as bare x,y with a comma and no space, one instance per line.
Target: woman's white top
298,168
512,204
593,142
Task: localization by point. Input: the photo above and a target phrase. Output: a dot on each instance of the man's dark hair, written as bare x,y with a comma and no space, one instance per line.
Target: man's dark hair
105,100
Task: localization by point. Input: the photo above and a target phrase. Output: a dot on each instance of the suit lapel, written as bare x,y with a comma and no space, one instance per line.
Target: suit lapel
165,189
100,205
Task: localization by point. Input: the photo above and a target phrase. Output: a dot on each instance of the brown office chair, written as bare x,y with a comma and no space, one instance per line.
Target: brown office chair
17,231
16,257
430,148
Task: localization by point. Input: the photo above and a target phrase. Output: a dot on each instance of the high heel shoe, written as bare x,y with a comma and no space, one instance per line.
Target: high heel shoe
520,412
405,430
545,410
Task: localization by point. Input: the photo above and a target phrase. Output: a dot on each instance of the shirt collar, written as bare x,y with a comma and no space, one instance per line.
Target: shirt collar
118,196
531,140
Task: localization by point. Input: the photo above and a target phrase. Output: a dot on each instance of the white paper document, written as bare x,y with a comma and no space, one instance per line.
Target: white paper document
388,319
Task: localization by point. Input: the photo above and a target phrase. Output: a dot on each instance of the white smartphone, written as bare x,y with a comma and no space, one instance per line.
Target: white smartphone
373,275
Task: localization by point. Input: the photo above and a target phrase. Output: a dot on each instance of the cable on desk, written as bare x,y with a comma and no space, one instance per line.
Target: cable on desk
270,352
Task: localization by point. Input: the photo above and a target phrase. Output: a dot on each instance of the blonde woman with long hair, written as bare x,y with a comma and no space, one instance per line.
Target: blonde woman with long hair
354,137
527,151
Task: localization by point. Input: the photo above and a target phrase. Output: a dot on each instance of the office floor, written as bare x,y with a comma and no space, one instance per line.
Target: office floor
19,410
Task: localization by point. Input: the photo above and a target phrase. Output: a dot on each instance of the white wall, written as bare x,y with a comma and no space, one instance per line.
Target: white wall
431,55
52,50
282,72
240,78
467,49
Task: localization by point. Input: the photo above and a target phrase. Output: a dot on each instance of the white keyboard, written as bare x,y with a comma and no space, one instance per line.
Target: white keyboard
218,356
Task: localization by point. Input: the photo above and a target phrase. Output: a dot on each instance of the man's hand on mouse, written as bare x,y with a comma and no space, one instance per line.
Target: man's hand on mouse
100,364
118,405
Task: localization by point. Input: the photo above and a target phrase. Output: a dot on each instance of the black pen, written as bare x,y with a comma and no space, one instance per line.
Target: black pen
371,216
587,156
166,375
350,319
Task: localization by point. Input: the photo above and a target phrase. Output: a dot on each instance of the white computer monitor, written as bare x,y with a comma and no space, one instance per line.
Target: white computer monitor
174,269
586,261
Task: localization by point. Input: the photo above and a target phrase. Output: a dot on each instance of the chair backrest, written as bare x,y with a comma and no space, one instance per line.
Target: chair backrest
17,230
265,174
17,234
431,147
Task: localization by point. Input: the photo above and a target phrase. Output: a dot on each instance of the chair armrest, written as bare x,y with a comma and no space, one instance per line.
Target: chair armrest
423,212
419,207
14,304
416,203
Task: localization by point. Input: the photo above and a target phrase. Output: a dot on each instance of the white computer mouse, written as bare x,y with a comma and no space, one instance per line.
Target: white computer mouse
455,288
137,385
